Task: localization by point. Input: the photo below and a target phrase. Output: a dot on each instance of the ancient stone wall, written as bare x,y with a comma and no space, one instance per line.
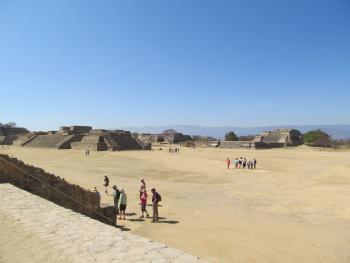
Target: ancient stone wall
280,137
24,139
90,142
8,140
236,144
53,188
145,137
55,141
247,145
122,140
69,130
171,137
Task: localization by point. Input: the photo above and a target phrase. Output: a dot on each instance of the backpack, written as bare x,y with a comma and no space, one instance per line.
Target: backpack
159,197
118,194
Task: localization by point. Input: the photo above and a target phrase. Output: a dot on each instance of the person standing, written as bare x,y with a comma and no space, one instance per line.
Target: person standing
143,199
123,203
142,186
228,162
255,163
98,195
116,196
156,198
106,183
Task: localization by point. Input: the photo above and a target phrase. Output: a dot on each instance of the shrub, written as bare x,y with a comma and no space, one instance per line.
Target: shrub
317,138
231,136
189,144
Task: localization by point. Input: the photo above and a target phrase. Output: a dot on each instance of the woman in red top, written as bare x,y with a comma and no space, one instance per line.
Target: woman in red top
228,162
143,199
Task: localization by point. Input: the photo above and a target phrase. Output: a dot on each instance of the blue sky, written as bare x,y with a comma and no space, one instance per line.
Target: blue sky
139,63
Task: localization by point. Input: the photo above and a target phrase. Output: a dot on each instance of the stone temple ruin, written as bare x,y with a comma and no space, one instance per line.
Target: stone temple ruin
280,137
80,138
8,134
167,136
269,139
116,140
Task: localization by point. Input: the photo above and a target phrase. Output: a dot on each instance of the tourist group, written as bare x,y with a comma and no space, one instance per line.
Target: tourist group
120,199
241,163
174,150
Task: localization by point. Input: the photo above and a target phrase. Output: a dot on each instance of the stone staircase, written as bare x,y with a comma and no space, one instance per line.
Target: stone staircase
128,143
24,139
122,142
8,140
57,141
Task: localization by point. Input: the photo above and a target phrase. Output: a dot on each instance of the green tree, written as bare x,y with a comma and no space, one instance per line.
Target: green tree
317,138
189,144
231,136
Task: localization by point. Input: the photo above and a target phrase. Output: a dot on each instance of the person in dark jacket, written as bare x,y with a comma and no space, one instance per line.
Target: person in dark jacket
106,183
155,200
116,195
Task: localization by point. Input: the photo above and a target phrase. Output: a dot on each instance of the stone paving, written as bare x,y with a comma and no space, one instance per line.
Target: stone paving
80,238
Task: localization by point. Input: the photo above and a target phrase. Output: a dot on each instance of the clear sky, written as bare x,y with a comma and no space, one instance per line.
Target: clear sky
212,63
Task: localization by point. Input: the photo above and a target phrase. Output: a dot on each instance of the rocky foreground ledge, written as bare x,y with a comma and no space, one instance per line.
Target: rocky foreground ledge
42,230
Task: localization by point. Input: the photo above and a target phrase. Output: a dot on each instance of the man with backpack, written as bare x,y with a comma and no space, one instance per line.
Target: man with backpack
155,199
116,196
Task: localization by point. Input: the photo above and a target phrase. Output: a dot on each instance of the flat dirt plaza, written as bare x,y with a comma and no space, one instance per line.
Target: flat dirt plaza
294,208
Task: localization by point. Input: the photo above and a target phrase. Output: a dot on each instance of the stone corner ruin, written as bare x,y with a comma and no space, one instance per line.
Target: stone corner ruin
168,136
277,138
55,189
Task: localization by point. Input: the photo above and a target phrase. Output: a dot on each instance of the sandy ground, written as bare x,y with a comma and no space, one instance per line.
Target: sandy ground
35,230
294,208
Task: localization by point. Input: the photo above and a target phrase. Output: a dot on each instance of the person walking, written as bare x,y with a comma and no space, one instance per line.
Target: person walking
156,198
143,199
228,162
123,203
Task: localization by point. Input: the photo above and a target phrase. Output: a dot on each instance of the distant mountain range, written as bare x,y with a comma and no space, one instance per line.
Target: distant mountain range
340,131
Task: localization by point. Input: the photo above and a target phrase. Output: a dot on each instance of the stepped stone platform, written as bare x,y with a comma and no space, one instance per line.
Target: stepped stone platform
73,137
112,140
57,141
66,236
